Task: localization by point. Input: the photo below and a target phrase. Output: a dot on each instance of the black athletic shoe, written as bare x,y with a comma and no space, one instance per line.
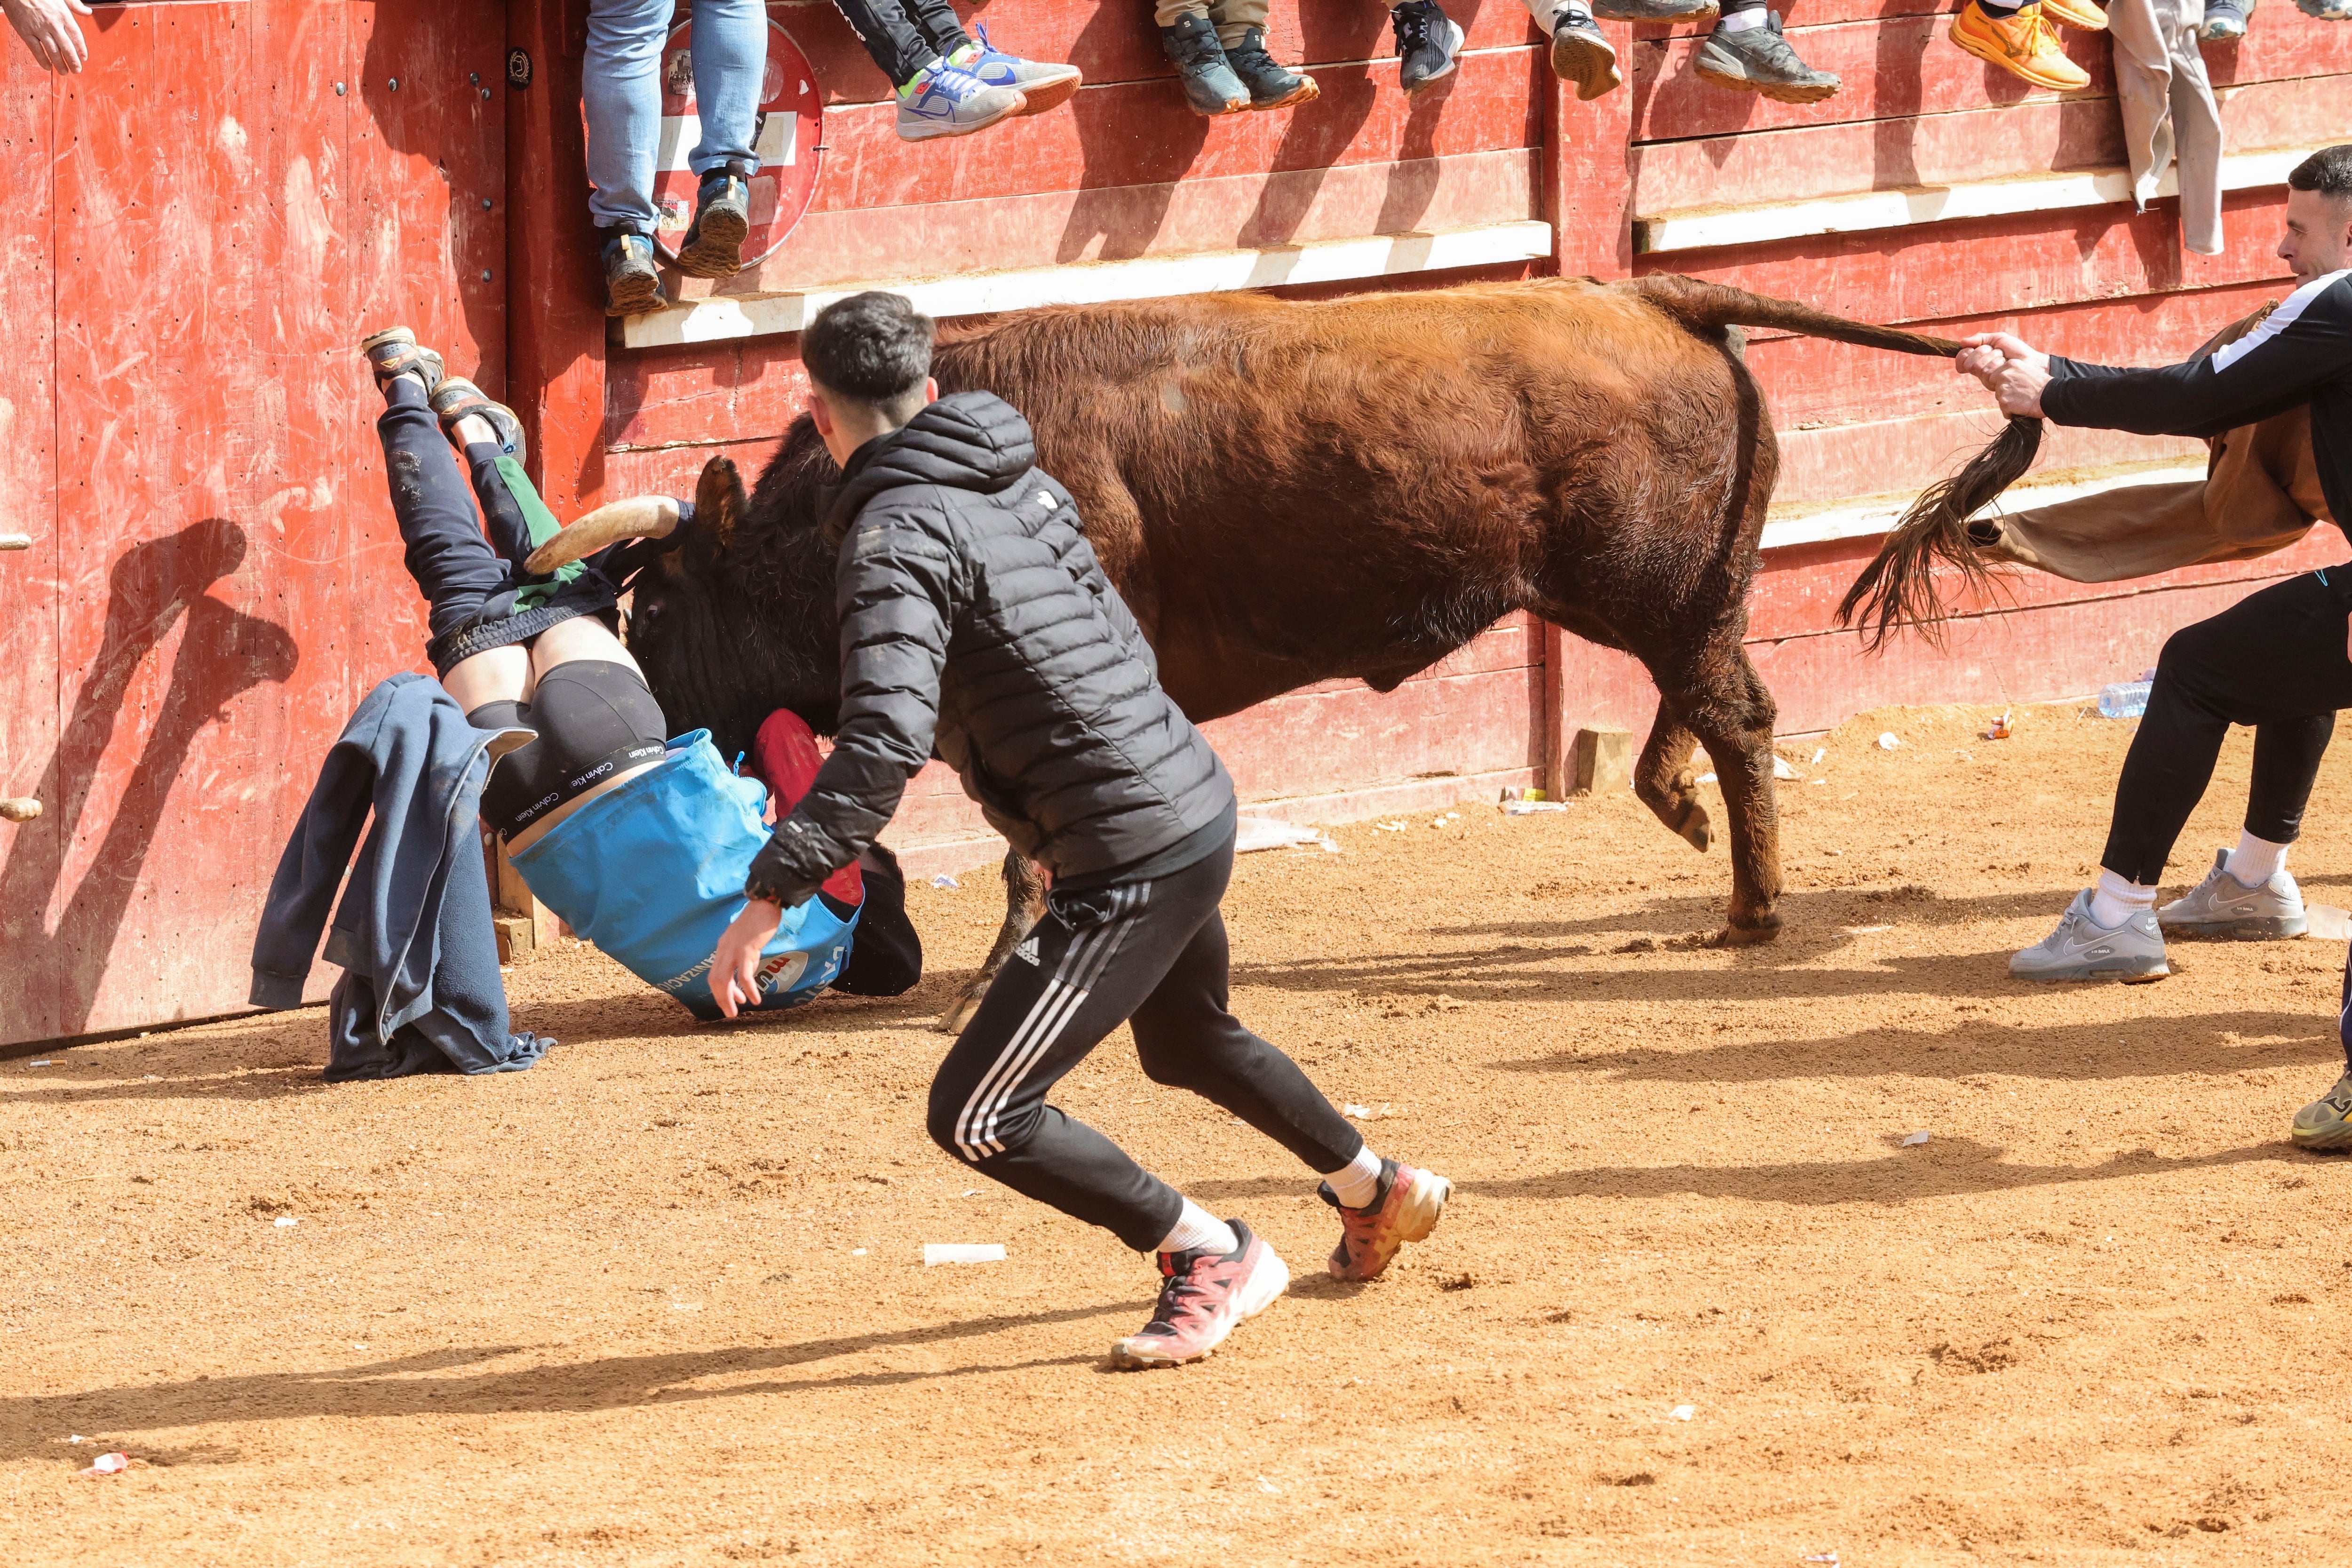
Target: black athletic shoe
1426,41
1581,55
1759,59
632,284
1210,85
394,353
723,216
1269,85
456,398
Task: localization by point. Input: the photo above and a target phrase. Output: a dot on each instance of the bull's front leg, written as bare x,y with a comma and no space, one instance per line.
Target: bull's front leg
1025,906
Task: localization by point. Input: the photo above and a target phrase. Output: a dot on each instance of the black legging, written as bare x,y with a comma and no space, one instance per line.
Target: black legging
903,37
2275,660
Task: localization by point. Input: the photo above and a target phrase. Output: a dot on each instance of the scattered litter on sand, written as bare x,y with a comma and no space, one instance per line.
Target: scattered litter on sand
284,1221
1783,769
1682,1412
1888,740
1706,778
2000,729
1913,1140
857,1252
45,1063
1819,753
1394,827
1529,807
1865,931
936,1252
1830,1558
945,883
1256,833
2327,922
1366,1113
1268,1486
109,1464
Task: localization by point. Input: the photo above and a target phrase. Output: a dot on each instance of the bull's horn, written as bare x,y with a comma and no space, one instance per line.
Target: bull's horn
639,517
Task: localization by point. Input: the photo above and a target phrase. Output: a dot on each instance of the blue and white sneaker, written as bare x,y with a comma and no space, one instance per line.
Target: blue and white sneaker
1044,84
2225,20
2326,10
946,101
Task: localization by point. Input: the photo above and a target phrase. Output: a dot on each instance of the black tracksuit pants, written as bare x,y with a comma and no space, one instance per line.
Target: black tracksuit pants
2274,660
1152,953
904,34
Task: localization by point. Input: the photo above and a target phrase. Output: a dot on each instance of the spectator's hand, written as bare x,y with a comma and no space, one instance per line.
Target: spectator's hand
2011,369
735,964
49,30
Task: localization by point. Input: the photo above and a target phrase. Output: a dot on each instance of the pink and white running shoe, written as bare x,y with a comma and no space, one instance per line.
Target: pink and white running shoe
1405,1208
1206,1295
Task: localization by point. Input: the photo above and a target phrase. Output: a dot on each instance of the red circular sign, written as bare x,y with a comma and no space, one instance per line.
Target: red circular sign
789,142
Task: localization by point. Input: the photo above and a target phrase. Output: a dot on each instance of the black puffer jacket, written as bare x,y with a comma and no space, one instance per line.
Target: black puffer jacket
975,619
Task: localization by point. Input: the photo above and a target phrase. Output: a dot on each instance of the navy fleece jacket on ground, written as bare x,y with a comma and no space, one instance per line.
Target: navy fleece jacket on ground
420,990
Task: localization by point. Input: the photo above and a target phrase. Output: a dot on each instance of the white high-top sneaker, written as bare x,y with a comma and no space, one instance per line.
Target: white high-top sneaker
2223,906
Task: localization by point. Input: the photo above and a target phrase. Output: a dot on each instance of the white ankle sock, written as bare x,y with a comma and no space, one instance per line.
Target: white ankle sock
1740,21
1198,1230
2255,860
2116,900
1357,1182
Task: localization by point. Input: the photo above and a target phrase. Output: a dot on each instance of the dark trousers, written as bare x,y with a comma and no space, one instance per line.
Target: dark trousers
903,35
1152,954
2274,660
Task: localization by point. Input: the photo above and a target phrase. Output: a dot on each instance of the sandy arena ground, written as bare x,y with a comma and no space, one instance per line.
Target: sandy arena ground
659,1301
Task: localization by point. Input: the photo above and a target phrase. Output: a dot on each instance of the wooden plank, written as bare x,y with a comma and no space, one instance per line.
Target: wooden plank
31,604
1231,212
2023,263
1946,149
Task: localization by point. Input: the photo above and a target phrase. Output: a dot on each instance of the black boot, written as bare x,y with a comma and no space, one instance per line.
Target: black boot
1426,39
1210,85
723,216
1270,86
632,284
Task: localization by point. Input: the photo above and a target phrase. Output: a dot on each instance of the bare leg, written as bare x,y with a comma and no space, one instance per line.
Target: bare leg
1025,906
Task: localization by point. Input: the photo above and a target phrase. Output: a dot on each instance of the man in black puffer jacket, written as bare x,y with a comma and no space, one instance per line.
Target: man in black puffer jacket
975,620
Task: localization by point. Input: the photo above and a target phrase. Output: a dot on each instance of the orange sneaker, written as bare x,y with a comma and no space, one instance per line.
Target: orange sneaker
2079,14
2022,45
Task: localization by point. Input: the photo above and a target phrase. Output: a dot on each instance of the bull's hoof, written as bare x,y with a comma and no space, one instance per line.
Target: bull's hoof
1753,933
958,1014
1695,828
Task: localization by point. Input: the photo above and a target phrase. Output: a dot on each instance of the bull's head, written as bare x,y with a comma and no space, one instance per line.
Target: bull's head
731,613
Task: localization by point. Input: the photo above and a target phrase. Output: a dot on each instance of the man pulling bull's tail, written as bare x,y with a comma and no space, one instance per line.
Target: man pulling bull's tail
640,844
975,619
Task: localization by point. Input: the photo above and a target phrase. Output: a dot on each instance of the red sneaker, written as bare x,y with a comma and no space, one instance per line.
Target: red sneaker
1206,1298
1405,1208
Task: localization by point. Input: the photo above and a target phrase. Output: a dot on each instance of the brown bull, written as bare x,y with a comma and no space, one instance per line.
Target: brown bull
1291,492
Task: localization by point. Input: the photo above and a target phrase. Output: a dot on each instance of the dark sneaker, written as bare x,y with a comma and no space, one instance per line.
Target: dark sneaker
1405,1208
456,398
1426,42
1580,54
2225,20
1655,10
632,284
1759,59
946,101
723,216
1045,85
1210,85
1268,84
1206,1297
393,352
2326,10
2325,1122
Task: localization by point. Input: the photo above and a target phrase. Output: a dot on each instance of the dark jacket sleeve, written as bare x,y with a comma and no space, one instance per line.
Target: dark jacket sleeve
2275,367
310,875
894,585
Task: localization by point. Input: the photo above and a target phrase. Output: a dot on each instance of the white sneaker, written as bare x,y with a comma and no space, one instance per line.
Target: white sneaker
2083,949
2223,906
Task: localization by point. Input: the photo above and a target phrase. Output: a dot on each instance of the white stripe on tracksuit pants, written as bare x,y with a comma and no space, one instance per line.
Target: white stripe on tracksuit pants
1152,953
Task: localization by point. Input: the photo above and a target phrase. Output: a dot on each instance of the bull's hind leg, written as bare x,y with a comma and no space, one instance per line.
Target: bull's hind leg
1025,906
1726,707
1663,782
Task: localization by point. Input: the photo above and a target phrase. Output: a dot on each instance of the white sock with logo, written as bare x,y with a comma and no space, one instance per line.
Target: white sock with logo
1198,1230
2255,860
1357,1182
2116,900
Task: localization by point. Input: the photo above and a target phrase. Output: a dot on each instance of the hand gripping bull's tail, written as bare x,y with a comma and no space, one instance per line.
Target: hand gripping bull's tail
1898,588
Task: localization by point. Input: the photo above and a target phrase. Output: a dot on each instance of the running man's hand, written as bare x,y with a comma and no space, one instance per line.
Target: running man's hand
735,965
2011,369
49,30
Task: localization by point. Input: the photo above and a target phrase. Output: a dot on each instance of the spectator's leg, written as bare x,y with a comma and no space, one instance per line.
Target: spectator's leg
463,579
943,30
1581,55
2016,37
935,99
621,90
1241,34
1189,38
1427,40
730,67
896,48
1748,54
2287,754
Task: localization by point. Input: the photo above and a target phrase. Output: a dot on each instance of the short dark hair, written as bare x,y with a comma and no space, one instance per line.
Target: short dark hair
873,348
2328,170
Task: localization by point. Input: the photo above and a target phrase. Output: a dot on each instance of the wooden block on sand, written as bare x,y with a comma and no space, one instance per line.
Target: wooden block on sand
1604,761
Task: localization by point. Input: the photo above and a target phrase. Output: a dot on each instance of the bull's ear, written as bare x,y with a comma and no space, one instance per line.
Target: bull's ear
719,501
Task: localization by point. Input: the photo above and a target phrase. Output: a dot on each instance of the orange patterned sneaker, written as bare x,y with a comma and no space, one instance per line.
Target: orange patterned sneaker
1206,1298
1405,1207
2022,45
2080,15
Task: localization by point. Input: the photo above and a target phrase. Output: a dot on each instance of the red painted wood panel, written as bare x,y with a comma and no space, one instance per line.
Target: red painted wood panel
1941,149
30,603
227,226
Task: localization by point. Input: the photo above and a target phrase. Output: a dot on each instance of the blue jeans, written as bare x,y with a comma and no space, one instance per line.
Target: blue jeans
621,83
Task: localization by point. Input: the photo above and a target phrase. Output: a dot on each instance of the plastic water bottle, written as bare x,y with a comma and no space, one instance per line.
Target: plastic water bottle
2125,698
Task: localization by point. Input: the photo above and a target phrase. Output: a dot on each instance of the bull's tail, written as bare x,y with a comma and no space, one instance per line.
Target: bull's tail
1898,588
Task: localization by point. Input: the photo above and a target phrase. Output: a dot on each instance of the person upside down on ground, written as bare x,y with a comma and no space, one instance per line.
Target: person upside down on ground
976,620
638,843
2280,660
